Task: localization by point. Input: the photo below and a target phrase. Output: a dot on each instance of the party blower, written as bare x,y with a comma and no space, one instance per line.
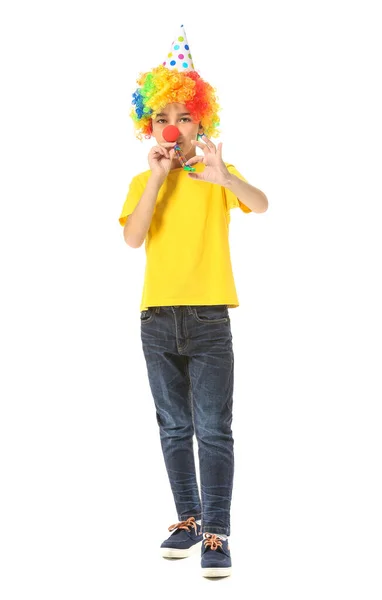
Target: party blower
171,134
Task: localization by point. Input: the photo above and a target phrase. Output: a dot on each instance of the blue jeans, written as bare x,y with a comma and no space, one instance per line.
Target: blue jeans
190,366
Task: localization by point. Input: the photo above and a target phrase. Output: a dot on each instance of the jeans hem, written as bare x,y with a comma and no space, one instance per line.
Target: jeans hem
197,516
211,528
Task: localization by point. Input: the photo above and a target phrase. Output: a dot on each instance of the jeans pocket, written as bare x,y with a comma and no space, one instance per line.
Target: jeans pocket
147,315
218,313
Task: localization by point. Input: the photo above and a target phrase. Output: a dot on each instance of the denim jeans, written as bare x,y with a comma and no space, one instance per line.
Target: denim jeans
190,365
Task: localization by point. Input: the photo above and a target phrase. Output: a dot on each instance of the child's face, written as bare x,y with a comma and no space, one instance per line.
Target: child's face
178,115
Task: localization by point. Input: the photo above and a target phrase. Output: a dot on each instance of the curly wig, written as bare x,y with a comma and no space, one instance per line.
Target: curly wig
162,86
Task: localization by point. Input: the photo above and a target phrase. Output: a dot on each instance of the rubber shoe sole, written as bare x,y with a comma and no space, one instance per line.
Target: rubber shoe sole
180,553
217,572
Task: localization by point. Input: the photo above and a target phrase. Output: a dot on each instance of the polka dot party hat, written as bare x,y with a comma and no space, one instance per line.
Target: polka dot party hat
179,57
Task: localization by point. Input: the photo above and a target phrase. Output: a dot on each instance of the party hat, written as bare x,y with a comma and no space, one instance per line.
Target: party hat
179,57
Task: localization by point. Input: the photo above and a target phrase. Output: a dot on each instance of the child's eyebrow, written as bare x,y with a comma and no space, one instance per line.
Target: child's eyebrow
162,114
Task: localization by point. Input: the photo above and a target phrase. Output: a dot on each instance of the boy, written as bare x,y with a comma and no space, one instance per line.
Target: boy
183,218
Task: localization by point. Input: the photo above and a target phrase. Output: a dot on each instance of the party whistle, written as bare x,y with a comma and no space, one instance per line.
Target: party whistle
171,134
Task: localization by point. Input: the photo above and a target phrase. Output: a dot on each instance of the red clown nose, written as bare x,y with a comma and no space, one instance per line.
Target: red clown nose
171,133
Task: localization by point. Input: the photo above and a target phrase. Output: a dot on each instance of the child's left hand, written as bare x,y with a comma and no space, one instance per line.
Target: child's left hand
215,170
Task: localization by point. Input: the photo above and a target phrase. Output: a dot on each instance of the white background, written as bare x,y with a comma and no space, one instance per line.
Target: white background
85,501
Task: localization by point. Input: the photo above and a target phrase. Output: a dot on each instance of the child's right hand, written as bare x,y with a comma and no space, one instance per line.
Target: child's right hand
160,158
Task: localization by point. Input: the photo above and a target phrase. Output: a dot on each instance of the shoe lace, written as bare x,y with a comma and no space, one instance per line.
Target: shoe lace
184,525
212,541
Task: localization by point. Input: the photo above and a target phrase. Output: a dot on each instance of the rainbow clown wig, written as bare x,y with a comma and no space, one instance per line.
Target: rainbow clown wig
161,86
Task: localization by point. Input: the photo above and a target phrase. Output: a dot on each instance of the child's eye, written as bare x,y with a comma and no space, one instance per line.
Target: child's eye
181,119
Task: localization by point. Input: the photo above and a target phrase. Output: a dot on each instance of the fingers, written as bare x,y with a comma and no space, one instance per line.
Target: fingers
167,144
208,143
159,150
194,160
206,146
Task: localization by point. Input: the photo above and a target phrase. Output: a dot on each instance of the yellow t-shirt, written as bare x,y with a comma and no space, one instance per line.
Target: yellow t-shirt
188,258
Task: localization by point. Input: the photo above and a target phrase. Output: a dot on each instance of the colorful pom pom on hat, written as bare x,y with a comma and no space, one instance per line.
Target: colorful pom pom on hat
179,57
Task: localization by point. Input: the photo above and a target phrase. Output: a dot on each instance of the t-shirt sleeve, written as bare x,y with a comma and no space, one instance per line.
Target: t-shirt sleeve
134,194
231,200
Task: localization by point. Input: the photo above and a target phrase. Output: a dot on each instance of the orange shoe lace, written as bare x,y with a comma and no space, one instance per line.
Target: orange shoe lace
212,541
185,525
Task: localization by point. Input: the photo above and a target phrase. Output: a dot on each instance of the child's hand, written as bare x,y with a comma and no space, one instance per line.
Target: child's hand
160,158
215,171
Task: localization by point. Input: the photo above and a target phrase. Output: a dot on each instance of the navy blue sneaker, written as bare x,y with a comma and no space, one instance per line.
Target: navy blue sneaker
186,538
216,556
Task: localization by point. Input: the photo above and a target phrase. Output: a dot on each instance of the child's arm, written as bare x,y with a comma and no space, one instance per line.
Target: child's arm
138,223
252,197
